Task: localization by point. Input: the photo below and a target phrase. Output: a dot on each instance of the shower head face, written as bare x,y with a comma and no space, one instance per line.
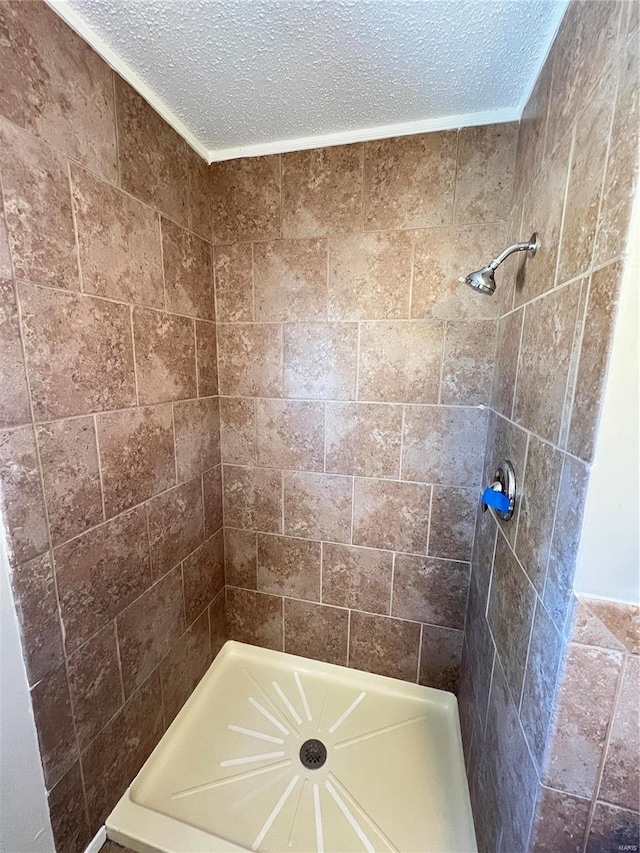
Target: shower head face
481,280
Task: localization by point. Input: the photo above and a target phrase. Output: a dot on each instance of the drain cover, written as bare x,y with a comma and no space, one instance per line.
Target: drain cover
313,754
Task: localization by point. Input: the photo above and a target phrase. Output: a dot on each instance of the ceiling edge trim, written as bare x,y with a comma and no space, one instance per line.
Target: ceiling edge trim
80,26
366,134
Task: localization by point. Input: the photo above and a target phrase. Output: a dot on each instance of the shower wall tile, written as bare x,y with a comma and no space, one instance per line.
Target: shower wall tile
288,566
290,280
240,558
440,658
6,269
384,646
250,358
212,495
253,498
621,622
468,363
430,590
14,404
561,821
255,618
206,359
358,578
621,772
533,131
54,724
68,812
118,242
137,459
316,631
184,666
505,440
165,356
197,434
322,191
238,430
233,267
485,174
218,628
506,362
290,434
245,199
609,822
188,272
176,525
317,506
199,193
452,522
364,439
203,576
320,360
391,515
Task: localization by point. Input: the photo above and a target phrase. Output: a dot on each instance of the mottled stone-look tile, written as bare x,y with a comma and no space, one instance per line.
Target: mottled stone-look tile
290,434
203,576
148,629
184,666
505,440
612,830
233,267
370,276
510,614
245,200
322,191
212,492
316,631
621,620
250,359
136,455
206,358
442,256
485,173
317,506
440,658
165,356
238,430
583,711
409,180
94,684
289,567
6,269
545,353
176,525
587,629
290,280
14,399
21,497
34,593
218,623
253,498
585,182
98,357
255,618
158,175
356,577
480,654
560,823
400,361
41,54
429,590
468,361
118,241
533,129
197,425
113,759
364,439
240,558
384,646
600,316
453,519
320,360
444,445
37,199
54,725
484,544
621,773
392,515
506,362
188,272
199,178
100,573
68,813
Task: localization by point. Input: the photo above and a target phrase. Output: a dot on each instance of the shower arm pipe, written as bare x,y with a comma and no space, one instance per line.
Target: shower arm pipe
530,246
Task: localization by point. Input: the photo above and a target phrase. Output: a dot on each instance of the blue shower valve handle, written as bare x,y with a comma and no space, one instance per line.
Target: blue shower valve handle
498,500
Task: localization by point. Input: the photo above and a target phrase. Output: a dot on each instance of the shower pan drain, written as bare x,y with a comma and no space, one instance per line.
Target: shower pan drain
313,754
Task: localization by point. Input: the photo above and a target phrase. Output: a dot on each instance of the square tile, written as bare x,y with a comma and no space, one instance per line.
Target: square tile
290,280
290,434
317,506
384,646
250,357
430,590
359,578
165,356
188,272
392,515
316,631
253,498
320,360
245,196
364,439
255,618
197,426
289,567
176,525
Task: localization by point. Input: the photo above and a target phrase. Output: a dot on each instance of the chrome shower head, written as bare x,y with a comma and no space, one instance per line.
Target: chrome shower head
483,279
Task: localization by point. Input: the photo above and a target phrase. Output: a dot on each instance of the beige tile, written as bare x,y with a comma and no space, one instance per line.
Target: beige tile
440,658
533,131
14,400
246,199
317,506
6,269
176,525
560,824
290,280
430,590
233,266
188,272
253,498
400,361
212,493
203,576
610,822
71,476
197,426
485,173
359,578
364,439
452,522
184,666
118,241
136,455
370,276
218,623
506,362
409,180
316,631
468,363
207,359
250,359
255,618
199,186
320,360
165,356
289,566
322,191
621,771
622,620
505,440
240,558
290,434
238,431
391,515
384,646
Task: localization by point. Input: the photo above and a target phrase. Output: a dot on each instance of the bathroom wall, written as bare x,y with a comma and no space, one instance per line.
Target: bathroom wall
355,374
109,443
575,176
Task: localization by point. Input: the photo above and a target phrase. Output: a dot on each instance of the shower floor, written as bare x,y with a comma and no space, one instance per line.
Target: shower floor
279,753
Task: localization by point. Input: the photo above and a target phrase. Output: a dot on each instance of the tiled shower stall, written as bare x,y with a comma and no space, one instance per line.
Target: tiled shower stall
253,401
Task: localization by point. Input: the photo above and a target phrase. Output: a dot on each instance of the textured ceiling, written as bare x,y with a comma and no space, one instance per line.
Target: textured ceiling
267,74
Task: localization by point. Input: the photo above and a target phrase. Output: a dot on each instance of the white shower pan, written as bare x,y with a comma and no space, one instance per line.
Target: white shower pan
274,752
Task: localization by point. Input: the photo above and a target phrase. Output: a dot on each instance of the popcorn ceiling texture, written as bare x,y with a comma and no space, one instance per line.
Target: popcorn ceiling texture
239,73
